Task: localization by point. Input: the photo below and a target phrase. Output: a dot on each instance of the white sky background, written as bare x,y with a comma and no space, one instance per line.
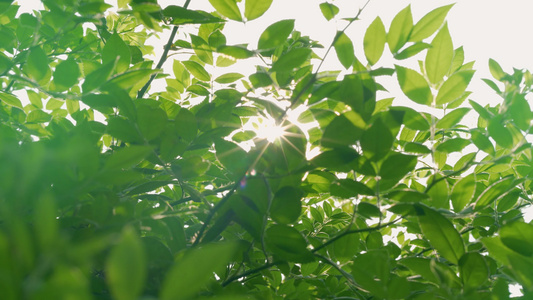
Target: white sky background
486,29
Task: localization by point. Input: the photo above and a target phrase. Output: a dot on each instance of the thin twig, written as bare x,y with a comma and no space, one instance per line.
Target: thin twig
163,58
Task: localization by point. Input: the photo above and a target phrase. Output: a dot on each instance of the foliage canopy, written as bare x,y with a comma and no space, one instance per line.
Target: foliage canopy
108,191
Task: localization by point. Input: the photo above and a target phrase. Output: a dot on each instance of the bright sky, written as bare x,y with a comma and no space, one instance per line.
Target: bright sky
486,29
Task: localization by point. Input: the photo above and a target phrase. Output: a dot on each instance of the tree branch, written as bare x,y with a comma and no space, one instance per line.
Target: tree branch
163,58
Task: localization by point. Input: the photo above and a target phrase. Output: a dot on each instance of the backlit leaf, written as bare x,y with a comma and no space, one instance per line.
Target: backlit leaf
228,77
374,41
344,48
37,64
499,132
275,34
496,70
414,85
66,73
473,269
412,50
463,191
400,29
440,55
441,233
329,11
253,9
429,23
494,191
116,49
452,118
126,267
227,8
288,244
198,264
292,59
180,15
454,87
344,130
197,70
376,141
10,100
286,205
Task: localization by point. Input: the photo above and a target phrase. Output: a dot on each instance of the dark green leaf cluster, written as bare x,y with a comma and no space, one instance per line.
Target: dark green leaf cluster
112,190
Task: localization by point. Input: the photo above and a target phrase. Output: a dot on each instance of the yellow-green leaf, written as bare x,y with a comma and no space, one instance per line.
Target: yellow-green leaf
197,70
414,85
126,267
344,48
440,56
374,41
429,23
400,29
454,86
227,8
253,9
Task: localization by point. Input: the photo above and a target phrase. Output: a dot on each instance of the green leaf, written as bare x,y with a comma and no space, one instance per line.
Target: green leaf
228,78
453,145
407,195
292,59
127,157
10,100
440,56
347,188
286,205
414,86
452,118
400,29
38,116
344,130
227,8
496,70
37,64
473,269
336,160
151,121
98,77
182,15
499,132
197,70
116,49
344,48
497,189
329,11
463,192
126,267
416,148
412,119
518,236
454,87
430,23
232,157
288,244
253,9
520,111
397,165
441,233
376,141
198,264
439,191
275,34
66,73
412,51
237,52
374,41
481,141
129,79
260,80
217,39
202,49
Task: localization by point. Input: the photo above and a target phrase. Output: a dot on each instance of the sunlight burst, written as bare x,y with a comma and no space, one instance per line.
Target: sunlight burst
267,129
